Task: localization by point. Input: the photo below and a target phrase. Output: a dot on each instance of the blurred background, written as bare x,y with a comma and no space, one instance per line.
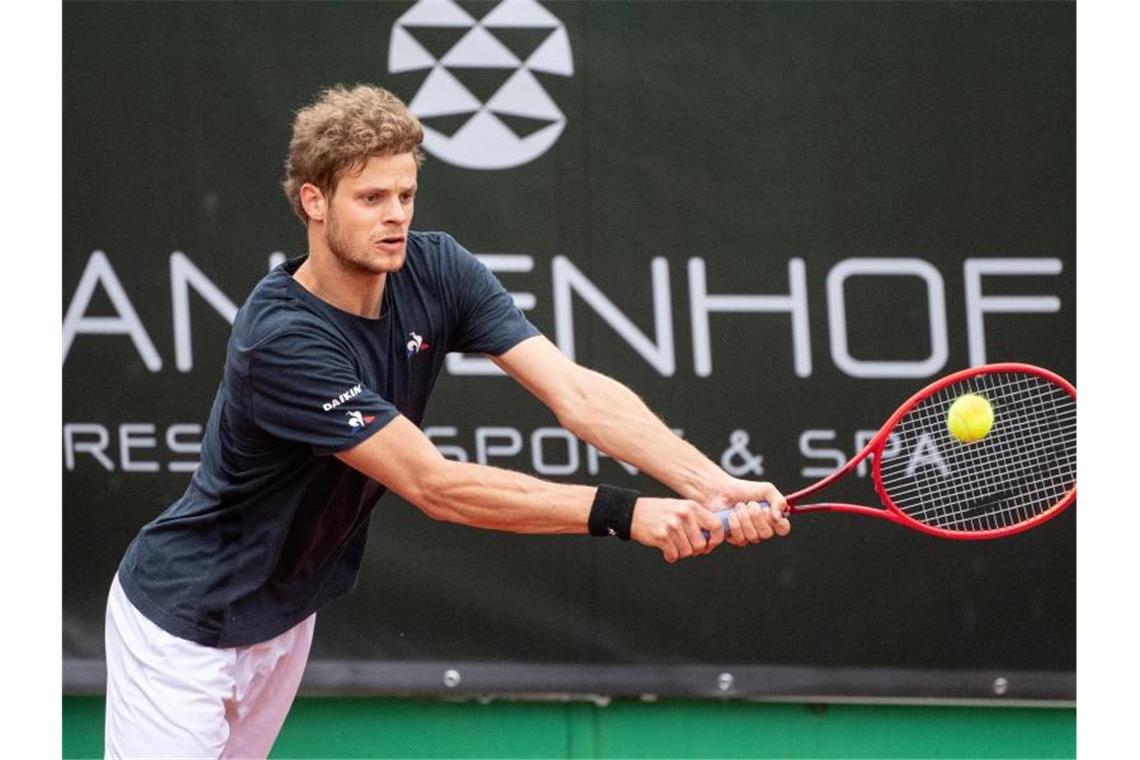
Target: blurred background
775,221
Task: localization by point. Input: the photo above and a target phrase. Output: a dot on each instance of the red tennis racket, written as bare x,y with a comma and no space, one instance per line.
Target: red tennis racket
1022,473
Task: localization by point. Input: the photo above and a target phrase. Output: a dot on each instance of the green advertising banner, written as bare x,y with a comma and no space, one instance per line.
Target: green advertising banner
774,221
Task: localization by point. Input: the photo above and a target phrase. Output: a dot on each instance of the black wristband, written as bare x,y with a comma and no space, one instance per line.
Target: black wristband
612,511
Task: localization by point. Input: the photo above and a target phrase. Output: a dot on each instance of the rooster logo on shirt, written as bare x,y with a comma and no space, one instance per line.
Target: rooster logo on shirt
416,344
358,420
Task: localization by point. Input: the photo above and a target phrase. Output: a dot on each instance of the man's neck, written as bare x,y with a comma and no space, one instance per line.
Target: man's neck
347,288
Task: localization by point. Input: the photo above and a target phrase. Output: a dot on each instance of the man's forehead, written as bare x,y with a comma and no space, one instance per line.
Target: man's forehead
400,168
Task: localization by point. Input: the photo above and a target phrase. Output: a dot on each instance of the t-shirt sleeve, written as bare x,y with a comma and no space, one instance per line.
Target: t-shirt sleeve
304,388
488,320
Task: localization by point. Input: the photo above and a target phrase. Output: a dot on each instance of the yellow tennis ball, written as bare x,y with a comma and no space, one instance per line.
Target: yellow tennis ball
970,418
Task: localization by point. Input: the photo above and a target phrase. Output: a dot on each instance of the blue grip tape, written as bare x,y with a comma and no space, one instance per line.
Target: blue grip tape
723,515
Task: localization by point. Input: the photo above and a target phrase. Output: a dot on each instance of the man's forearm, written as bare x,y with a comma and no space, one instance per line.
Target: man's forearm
401,457
613,419
489,497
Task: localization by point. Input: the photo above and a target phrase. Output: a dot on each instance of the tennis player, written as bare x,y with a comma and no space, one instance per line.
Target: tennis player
327,373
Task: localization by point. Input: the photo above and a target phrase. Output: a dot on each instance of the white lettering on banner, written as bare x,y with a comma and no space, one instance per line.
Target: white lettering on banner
99,272
183,276
926,453
977,304
567,281
484,450
569,443
701,304
94,440
563,456
73,444
890,449
837,458
837,318
552,450
175,442
458,453
136,436
468,364
738,460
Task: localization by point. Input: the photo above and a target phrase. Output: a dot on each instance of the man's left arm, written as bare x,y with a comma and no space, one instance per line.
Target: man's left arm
611,417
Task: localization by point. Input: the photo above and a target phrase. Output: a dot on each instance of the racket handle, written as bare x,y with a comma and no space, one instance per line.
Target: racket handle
722,515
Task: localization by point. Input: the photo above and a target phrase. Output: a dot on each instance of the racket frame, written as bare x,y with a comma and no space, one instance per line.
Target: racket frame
874,449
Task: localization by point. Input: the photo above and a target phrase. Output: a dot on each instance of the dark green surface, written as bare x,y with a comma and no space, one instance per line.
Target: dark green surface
431,728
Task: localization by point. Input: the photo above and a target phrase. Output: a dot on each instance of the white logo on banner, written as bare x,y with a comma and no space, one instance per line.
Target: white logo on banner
518,121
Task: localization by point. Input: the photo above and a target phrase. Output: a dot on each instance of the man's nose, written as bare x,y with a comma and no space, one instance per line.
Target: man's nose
394,211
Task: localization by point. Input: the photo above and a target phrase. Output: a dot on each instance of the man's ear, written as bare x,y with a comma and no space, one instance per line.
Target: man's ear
313,202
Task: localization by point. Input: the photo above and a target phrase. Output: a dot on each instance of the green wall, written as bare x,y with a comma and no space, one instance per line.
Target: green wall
325,727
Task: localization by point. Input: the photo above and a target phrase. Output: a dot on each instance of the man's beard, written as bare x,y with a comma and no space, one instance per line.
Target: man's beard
348,257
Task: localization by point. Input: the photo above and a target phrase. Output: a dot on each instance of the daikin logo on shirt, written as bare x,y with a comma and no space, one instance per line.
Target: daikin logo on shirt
351,393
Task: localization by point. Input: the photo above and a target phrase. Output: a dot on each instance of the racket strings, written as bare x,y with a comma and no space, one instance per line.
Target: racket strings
994,487
998,496
1025,466
1025,441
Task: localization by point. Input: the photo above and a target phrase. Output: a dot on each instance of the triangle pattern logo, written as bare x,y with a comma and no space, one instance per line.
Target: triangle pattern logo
442,94
521,13
481,103
480,50
406,54
435,13
522,95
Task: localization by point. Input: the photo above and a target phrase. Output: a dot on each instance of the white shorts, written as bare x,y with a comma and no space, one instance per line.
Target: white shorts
169,697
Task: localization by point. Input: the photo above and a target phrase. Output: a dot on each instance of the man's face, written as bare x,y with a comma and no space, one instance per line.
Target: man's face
370,212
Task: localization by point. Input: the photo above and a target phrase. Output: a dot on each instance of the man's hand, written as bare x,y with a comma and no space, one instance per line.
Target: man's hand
674,526
750,522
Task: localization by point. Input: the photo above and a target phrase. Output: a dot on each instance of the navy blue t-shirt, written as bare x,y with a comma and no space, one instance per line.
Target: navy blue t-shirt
272,526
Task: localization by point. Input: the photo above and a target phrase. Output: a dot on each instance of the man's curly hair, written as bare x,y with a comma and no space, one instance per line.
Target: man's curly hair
340,132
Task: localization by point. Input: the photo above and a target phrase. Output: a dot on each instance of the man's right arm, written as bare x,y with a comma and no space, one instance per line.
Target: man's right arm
402,458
